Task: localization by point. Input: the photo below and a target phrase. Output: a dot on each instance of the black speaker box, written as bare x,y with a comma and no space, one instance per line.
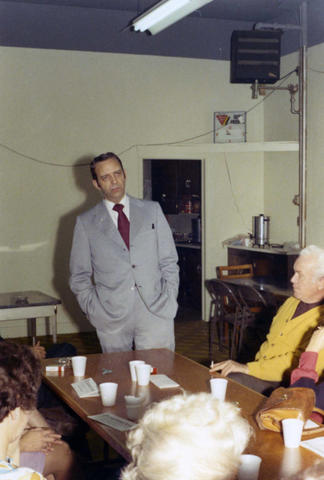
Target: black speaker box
255,55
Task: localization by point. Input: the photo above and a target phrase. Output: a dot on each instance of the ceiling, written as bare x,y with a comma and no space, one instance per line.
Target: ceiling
102,25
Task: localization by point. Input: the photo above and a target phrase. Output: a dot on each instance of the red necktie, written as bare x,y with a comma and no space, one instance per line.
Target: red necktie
123,223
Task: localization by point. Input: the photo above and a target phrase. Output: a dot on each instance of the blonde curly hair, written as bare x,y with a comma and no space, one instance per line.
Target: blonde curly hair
187,437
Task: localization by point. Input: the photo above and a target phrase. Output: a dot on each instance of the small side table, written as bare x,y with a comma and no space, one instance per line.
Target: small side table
29,305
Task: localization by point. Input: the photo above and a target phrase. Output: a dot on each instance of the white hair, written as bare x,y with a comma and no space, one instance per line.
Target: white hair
188,437
318,254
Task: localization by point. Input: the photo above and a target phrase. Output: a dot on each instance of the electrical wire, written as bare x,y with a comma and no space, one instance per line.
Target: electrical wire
177,142
317,71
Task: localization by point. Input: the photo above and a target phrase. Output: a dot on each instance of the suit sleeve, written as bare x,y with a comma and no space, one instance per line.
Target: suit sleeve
168,257
81,268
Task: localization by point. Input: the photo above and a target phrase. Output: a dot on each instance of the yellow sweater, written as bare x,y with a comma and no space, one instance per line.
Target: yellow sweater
286,340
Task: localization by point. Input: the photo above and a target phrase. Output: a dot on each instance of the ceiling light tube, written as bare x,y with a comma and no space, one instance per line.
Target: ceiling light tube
165,13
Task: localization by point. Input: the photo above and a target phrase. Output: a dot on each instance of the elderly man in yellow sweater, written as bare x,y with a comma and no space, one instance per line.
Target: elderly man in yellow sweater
290,330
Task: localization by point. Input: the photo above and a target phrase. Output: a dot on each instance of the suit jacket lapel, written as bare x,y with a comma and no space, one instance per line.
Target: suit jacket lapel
135,217
105,224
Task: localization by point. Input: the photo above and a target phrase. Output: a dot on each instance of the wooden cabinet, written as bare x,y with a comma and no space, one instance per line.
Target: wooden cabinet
190,277
267,262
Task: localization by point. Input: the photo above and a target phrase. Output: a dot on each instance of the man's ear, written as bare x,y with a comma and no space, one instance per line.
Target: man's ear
95,184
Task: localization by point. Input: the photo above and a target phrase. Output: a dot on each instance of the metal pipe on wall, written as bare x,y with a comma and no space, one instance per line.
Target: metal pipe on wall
302,125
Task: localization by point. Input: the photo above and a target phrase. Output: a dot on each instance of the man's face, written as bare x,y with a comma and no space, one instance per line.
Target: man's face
111,179
306,287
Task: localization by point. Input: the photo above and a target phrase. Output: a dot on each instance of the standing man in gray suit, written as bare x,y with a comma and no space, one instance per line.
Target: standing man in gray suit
123,265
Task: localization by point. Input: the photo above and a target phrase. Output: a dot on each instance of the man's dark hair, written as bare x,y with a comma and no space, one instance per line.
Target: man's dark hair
20,377
101,158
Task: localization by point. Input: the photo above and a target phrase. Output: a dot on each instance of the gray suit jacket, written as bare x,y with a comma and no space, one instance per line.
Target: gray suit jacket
105,274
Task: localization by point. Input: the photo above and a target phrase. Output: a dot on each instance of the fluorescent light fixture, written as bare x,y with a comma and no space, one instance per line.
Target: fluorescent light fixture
165,13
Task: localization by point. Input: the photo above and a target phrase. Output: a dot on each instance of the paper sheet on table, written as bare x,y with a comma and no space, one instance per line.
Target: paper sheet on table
113,421
86,388
163,381
314,444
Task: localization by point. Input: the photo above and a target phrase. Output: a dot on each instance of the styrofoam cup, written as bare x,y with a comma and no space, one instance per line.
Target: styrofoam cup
79,365
132,364
108,393
292,431
134,407
143,373
218,388
249,467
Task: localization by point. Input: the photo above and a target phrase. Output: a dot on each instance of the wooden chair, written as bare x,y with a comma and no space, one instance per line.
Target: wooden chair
225,311
234,271
259,309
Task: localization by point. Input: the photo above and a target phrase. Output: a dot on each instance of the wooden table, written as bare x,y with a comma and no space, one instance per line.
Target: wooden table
29,305
193,377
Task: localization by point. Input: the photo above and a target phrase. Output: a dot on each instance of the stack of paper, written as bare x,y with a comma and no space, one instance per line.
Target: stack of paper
86,388
113,421
163,381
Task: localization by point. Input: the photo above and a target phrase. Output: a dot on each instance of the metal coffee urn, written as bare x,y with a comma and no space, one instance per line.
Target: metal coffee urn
260,230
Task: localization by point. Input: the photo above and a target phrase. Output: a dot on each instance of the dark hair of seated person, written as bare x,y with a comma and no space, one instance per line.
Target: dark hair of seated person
20,377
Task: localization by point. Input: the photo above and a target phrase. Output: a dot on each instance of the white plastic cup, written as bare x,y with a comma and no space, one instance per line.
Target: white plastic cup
108,393
292,431
143,373
132,364
249,467
134,407
79,365
218,388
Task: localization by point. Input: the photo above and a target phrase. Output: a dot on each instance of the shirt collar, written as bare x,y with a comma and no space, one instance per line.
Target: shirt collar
124,201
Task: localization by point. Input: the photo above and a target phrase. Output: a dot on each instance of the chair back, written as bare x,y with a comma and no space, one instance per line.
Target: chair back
251,297
222,293
235,271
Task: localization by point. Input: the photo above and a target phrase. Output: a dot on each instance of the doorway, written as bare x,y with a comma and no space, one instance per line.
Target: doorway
176,185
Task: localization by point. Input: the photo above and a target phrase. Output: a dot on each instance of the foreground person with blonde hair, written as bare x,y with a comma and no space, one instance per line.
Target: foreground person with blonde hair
187,437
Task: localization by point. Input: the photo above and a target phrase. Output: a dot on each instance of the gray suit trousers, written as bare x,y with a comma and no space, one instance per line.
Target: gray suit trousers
147,330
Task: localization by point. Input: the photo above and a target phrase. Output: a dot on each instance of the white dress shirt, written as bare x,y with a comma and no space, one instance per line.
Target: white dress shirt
113,214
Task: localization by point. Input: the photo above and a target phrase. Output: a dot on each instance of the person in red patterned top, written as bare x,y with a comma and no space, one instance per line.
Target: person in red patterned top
305,374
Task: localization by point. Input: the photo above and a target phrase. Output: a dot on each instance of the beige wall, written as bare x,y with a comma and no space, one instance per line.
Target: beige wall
315,180
64,107
281,173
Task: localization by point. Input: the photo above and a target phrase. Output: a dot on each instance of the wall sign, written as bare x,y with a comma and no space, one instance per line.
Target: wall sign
229,127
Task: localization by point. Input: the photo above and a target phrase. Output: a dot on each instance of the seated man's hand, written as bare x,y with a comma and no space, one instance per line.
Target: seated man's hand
39,440
229,366
39,351
316,343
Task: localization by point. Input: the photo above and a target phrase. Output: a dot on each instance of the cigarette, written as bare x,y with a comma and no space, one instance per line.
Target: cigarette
212,364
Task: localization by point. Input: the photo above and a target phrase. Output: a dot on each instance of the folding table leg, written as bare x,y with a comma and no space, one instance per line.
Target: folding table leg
31,327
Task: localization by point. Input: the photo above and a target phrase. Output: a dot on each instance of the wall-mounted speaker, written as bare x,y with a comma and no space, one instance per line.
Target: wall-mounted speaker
255,55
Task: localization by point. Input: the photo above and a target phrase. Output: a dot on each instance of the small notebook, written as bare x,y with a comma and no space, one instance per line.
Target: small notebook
86,388
163,381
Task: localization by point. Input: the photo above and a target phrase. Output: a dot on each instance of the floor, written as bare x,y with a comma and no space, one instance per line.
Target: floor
191,335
